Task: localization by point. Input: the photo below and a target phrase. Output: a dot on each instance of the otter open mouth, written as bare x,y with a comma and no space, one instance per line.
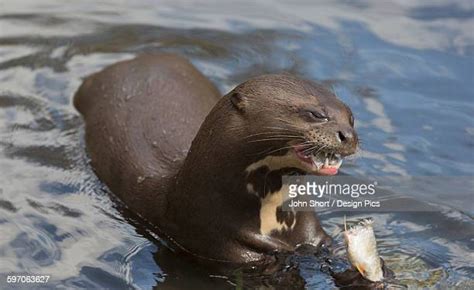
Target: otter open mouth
319,163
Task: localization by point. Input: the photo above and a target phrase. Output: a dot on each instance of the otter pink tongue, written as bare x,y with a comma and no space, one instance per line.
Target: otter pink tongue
328,170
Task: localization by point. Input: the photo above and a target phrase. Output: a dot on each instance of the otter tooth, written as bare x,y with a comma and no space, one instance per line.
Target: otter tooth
326,162
316,162
336,160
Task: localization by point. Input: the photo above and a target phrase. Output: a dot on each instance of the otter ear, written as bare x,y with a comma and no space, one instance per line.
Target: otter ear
238,100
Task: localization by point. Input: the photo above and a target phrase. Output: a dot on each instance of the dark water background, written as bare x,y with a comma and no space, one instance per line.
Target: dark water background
406,70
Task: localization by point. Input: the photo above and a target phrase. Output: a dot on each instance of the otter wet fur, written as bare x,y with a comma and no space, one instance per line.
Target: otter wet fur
207,170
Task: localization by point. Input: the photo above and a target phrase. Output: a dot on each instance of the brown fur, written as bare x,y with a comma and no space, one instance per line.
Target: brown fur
144,115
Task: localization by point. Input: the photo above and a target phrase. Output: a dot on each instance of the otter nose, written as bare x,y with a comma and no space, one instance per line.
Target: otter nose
346,136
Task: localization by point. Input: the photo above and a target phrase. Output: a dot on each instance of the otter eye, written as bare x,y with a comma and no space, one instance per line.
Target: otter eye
315,116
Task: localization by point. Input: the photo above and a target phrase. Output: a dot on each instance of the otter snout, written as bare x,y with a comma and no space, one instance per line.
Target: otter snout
348,140
339,140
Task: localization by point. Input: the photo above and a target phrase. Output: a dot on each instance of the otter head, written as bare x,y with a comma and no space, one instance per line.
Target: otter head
294,123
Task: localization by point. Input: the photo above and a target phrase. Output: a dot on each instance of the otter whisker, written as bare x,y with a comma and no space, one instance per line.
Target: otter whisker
284,121
270,133
277,135
311,149
274,134
267,151
280,128
321,149
282,148
279,149
305,143
271,139
311,146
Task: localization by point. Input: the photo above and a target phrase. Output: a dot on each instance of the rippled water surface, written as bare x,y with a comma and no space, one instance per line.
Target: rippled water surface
406,70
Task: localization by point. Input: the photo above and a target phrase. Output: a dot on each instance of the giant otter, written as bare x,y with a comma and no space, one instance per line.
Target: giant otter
207,170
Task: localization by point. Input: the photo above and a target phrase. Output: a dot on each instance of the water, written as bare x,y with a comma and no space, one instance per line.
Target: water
406,70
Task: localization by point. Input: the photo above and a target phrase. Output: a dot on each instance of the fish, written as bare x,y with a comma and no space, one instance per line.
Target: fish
362,251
